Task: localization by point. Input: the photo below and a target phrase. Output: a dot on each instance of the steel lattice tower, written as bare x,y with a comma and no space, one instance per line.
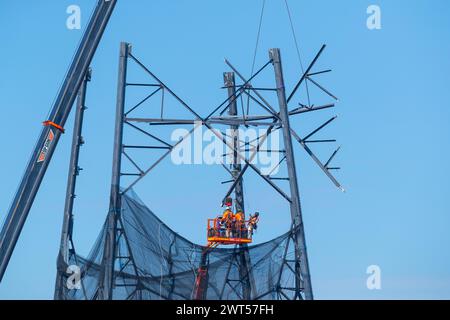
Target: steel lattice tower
280,121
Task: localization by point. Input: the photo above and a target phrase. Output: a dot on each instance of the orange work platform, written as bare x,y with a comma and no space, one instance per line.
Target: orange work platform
229,240
235,233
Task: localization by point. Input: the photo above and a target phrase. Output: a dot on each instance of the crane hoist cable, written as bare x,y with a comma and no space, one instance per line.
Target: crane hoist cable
297,48
258,35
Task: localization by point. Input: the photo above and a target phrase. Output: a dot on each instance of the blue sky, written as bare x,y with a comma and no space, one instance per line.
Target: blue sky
392,125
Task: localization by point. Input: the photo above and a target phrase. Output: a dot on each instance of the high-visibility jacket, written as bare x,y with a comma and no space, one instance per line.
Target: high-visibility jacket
239,216
227,216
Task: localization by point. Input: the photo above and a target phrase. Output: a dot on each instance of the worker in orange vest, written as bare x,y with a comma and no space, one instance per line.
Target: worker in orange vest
228,216
239,223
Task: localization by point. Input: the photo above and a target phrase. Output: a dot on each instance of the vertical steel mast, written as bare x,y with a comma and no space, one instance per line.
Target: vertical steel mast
67,248
245,273
229,82
51,132
107,280
302,275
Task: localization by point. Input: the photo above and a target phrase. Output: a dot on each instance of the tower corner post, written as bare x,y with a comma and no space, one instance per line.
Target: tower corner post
107,279
302,274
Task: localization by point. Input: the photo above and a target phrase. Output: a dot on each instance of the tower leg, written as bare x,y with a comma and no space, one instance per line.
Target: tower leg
302,275
229,82
245,273
107,279
66,246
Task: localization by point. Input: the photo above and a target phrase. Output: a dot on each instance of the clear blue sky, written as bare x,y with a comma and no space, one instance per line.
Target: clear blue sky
393,125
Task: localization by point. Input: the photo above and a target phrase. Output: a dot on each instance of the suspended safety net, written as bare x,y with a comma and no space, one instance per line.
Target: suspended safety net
154,262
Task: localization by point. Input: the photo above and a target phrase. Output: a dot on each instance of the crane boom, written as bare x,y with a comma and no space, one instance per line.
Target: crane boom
51,132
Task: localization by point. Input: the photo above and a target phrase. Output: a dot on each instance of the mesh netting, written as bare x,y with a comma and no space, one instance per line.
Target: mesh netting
154,262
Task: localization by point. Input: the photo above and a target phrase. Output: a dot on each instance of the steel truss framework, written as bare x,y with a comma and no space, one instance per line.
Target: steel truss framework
116,259
117,254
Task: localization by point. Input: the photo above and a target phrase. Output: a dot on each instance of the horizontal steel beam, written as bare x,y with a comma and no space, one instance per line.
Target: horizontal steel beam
228,122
